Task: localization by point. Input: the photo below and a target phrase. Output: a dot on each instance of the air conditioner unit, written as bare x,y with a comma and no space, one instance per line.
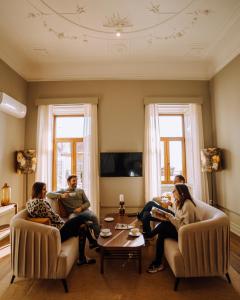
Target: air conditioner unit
12,106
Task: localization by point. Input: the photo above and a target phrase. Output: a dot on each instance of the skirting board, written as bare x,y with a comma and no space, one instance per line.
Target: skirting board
235,228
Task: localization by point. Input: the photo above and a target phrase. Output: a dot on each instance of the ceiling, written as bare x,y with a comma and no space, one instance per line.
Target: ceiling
159,39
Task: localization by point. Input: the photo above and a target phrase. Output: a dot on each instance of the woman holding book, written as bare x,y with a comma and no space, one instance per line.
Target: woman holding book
145,215
185,212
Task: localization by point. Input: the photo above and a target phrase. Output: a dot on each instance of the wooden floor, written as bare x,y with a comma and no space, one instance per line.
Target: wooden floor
235,251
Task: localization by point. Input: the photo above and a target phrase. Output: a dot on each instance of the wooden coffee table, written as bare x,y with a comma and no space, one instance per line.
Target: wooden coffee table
120,245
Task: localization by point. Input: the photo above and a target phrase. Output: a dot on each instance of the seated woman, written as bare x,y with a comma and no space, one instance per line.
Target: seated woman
38,207
185,213
145,215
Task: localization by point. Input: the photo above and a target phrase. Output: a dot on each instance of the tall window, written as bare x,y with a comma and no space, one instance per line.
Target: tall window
67,149
173,154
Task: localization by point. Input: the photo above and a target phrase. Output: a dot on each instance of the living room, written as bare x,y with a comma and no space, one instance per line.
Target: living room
122,89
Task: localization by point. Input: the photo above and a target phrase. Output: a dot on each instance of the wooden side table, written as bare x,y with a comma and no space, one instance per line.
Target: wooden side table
6,213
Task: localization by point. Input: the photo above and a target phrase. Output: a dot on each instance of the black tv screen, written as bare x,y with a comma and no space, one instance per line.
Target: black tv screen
123,164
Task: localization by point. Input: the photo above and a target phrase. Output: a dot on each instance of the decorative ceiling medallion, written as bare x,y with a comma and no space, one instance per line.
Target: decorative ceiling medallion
117,22
155,8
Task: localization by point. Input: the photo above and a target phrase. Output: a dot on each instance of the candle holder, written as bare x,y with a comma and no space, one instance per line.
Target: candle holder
121,205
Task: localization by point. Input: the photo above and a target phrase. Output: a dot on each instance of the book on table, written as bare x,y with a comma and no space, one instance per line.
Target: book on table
123,226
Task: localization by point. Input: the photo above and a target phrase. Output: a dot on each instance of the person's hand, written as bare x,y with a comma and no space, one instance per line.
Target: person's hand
65,195
167,215
78,210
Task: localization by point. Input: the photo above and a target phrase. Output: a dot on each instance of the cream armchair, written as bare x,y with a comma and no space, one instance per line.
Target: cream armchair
202,248
37,251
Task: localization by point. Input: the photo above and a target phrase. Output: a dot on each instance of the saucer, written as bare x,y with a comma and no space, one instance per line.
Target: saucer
109,219
135,235
105,235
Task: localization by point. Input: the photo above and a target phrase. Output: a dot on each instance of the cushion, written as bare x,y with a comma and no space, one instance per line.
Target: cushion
45,221
62,211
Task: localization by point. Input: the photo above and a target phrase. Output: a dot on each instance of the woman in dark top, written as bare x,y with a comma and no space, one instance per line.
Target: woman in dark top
39,207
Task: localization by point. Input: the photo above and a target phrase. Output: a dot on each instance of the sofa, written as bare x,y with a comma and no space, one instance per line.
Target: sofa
202,248
37,251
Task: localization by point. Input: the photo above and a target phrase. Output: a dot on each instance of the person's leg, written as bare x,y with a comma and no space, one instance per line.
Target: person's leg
148,207
146,224
165,230
76,227
90,216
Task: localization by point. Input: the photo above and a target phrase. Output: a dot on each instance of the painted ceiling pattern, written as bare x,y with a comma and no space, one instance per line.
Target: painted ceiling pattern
153,14
39,33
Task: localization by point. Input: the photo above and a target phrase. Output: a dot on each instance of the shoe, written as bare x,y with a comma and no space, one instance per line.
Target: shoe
93,245
86,261
153,268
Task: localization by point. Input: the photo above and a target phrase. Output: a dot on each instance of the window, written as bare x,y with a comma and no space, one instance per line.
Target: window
173,154
67,149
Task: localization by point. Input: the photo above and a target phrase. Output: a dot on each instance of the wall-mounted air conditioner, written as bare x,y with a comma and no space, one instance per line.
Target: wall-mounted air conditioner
12,106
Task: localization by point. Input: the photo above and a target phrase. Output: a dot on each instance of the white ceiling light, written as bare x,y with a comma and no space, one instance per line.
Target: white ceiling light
118,33
12,106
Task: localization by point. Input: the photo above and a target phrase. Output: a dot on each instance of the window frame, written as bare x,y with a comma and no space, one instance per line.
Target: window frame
166,140
72,141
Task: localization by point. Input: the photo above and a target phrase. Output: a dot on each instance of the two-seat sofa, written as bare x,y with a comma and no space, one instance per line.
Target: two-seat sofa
202,248
37,251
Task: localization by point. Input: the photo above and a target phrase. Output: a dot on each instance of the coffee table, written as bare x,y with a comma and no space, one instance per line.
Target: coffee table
120,245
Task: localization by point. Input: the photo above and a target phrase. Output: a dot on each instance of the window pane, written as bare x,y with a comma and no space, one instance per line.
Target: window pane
80,163
162,162
171,126
63,164
175,149
67,127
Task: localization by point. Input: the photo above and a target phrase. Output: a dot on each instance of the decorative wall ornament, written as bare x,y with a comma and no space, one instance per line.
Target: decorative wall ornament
26,161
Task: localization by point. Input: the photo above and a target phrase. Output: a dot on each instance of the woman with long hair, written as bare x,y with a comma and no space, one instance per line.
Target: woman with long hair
185,212
38,207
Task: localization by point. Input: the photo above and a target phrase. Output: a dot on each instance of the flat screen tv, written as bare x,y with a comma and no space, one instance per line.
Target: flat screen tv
122,164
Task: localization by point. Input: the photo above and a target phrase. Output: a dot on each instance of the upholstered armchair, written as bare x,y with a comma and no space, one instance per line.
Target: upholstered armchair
202,248
37,251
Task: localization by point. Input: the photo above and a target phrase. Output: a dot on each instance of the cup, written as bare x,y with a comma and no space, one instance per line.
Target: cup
105,231
135,231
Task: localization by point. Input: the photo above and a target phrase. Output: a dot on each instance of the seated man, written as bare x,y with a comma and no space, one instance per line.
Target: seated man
145,215
76,203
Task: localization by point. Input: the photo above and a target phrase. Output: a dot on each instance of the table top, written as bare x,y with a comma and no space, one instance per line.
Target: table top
120,238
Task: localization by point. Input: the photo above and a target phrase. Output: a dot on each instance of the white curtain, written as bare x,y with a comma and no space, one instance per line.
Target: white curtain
44,145
194,143
90,160
152,158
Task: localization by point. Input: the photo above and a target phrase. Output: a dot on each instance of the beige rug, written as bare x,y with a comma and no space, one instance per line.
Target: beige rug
120,282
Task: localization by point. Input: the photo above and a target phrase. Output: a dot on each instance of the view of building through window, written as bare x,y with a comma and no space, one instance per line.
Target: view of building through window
68,150
173,154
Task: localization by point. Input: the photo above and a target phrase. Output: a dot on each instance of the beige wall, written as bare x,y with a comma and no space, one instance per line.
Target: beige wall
121,120
225,89
12,132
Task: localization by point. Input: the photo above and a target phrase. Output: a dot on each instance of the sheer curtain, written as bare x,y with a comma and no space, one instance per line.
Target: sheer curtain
44,145
90,160
194,143
152,158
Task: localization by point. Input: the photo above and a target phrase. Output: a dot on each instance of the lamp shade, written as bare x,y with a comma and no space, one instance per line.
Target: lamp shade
12,106
211,159
26,161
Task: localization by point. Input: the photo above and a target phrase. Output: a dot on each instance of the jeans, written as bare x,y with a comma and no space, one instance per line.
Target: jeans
145,216
89,216
72,228
164,230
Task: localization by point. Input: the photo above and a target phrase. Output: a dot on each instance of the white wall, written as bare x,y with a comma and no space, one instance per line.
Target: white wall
225,90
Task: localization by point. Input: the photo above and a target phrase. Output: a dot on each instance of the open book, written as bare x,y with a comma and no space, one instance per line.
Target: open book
159,213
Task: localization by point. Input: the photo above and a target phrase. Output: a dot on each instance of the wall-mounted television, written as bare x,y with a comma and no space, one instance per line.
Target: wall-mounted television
121,164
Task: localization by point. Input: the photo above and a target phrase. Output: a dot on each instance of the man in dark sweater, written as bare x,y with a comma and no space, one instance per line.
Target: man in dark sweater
76,202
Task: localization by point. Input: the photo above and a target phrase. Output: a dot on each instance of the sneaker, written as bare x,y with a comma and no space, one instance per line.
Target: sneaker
86,261
153,268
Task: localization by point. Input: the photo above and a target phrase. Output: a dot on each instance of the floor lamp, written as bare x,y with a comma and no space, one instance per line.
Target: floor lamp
211,160
26,163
